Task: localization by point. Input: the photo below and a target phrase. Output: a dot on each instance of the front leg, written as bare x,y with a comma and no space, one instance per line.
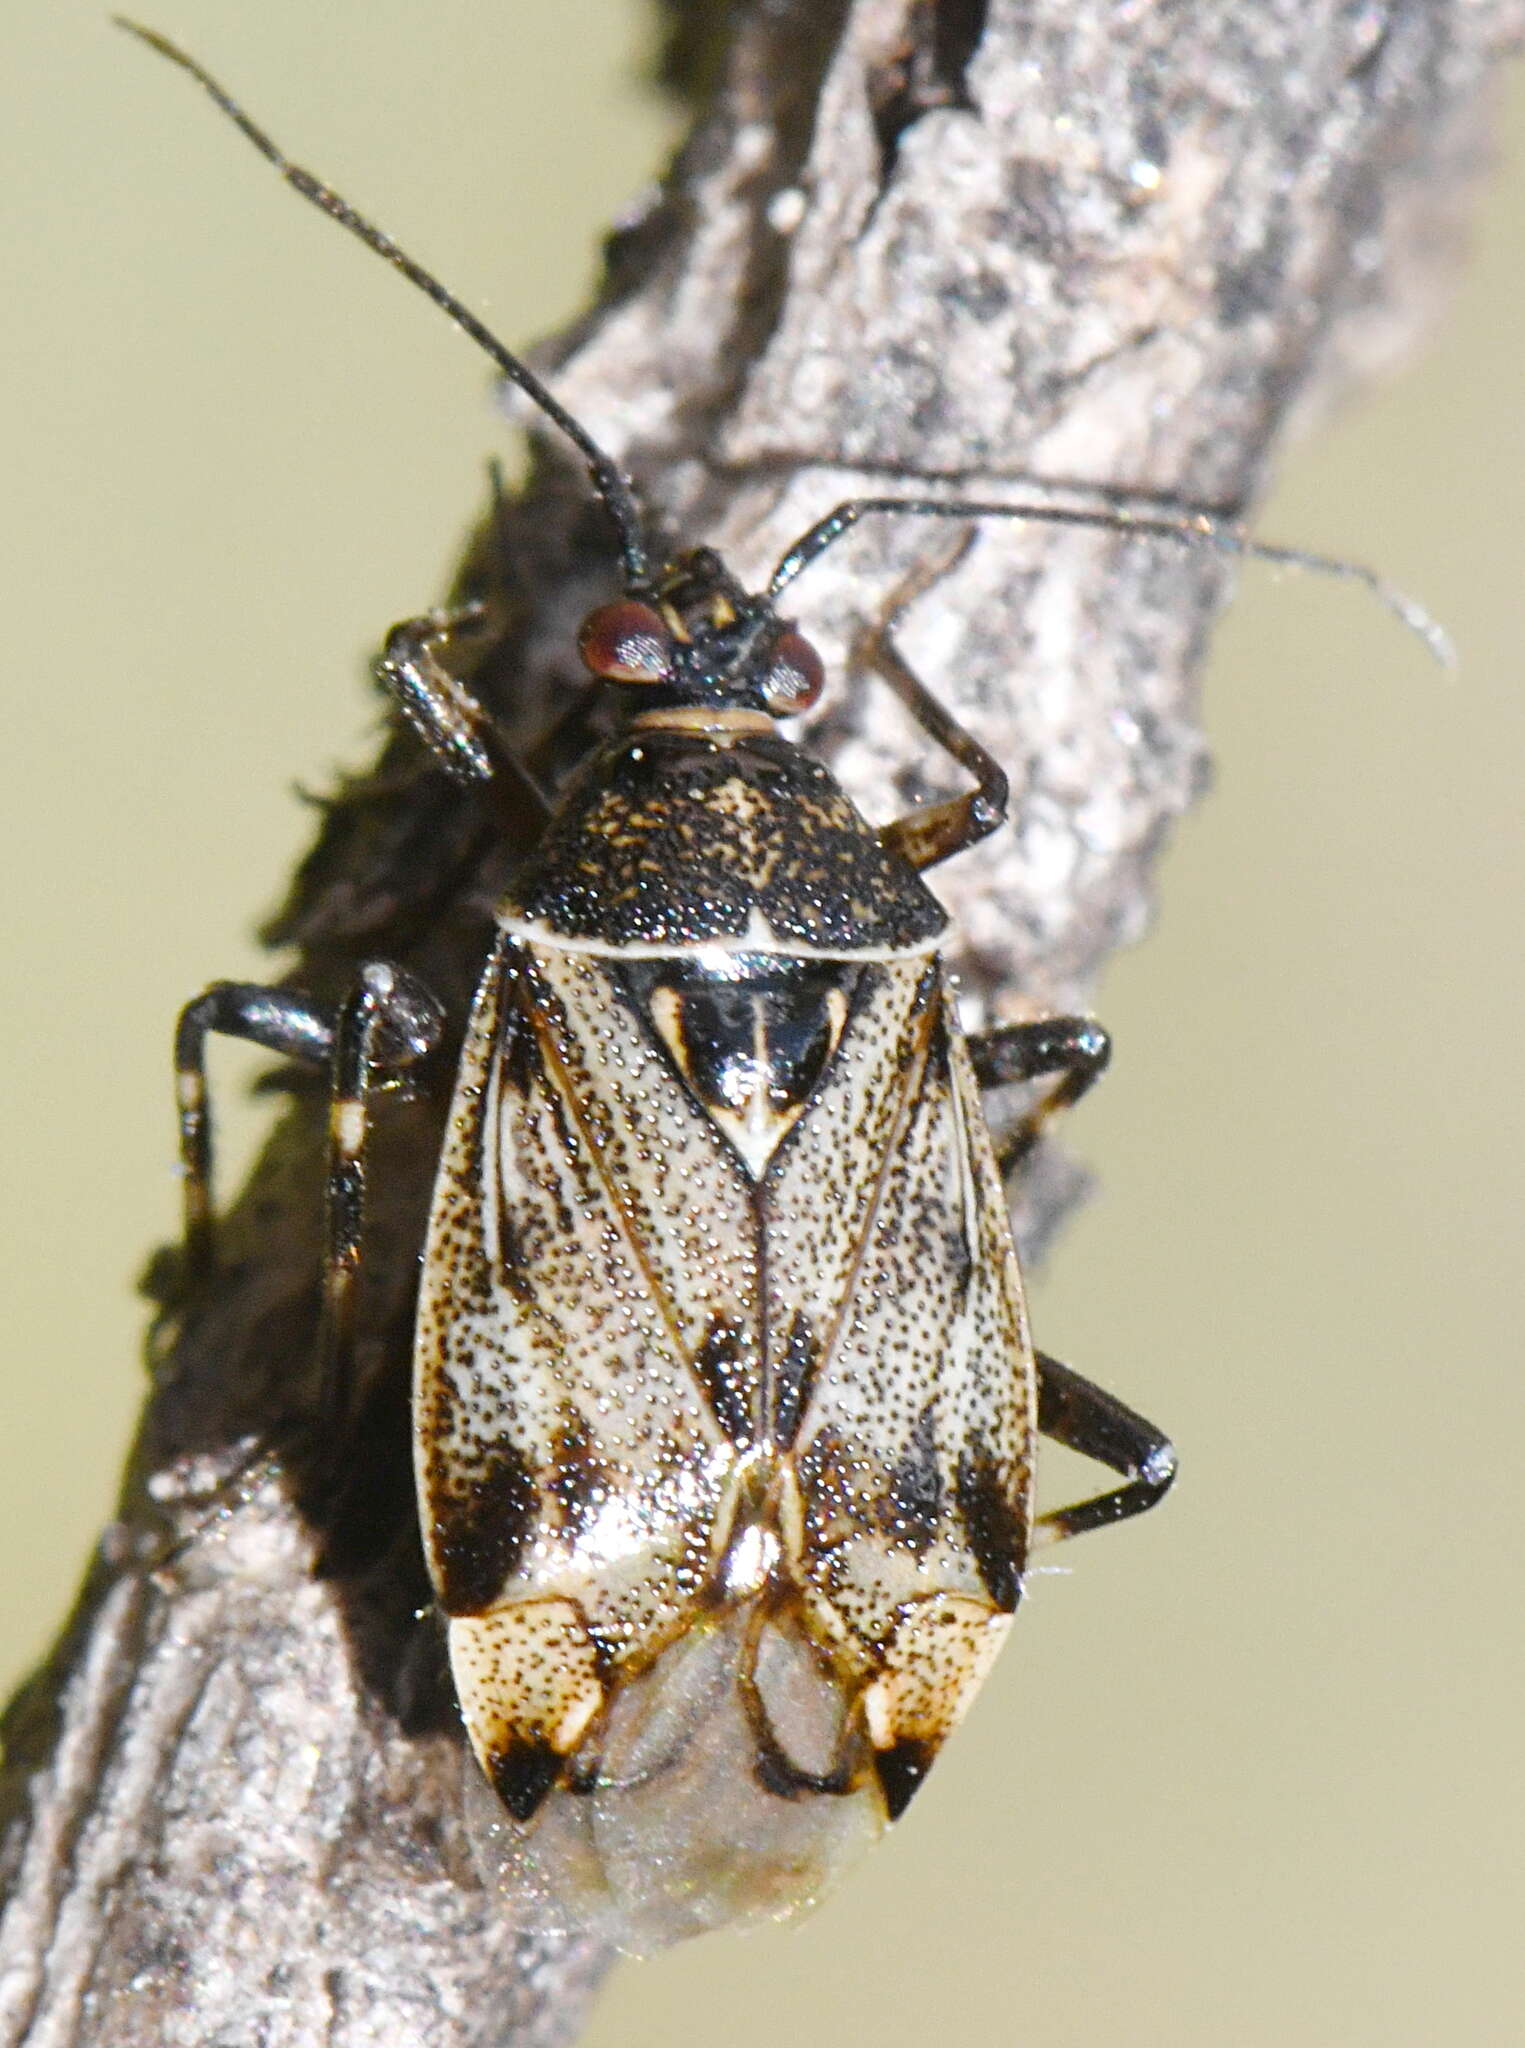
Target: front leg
1077,1049
385,1025
467,742
933,832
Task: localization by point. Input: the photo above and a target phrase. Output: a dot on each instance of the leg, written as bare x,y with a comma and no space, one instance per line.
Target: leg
1075,1048
456,729
1097,1424
388,1022
934,831
280,1020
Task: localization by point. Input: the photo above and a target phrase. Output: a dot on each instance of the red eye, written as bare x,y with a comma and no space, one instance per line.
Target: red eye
626,642
794,677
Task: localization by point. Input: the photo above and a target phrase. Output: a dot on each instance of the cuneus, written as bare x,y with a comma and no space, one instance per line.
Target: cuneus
725,1407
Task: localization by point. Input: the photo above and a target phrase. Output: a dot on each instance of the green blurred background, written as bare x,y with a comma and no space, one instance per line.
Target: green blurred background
1250,1774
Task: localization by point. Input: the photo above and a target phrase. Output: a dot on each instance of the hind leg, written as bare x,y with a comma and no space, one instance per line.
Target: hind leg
1087,1419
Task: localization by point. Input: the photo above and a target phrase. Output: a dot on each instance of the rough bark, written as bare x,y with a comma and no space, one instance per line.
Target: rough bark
909,242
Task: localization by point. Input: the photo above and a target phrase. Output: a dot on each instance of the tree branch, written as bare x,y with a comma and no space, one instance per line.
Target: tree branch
910,244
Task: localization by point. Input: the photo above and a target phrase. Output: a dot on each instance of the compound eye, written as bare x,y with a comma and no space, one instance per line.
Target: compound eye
794,677
626,642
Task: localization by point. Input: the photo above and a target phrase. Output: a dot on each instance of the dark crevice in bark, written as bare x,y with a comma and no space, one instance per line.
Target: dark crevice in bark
929,70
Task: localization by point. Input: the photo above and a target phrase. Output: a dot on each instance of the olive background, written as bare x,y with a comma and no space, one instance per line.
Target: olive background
1249,1774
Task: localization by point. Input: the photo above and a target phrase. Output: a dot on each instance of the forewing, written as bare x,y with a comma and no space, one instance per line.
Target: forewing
914,1443
591,1257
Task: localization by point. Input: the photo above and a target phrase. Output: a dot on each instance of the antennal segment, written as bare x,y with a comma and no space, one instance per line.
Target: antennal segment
1193,529
609,481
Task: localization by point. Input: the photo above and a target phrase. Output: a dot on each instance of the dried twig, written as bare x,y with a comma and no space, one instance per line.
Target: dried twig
911,244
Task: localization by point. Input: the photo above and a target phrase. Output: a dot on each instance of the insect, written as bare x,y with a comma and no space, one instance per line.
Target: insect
725,1404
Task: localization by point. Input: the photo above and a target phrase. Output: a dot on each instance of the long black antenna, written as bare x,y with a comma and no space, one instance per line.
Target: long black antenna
1188,529
608,480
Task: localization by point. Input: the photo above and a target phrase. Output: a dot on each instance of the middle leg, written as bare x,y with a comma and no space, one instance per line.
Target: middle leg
1076,1049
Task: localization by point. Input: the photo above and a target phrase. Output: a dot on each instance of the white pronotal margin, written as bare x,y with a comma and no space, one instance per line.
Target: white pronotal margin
759,937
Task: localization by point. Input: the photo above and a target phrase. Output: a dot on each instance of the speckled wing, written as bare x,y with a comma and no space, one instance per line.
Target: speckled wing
892,1276
698,1217
591,1257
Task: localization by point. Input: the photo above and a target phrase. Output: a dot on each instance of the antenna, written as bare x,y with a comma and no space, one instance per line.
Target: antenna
1189,529
609,482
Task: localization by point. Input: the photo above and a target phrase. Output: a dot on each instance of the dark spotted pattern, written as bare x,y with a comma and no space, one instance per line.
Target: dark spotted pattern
518,1050
794,1368
579,1481
693,1333
916,1493
669,838
996,1531
480,1527
721,1368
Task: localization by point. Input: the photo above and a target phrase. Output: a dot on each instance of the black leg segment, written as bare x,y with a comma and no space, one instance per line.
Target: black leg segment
279,1019
1077,1049
1084,1418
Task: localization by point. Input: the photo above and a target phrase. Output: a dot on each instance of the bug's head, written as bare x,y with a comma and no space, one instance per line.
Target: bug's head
697,638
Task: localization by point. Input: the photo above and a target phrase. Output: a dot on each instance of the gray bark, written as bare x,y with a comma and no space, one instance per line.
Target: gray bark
910,243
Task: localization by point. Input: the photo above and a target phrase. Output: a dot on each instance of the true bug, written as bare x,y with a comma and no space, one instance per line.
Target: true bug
725,1403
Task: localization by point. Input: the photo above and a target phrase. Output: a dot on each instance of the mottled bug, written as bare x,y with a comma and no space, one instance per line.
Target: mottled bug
725,1404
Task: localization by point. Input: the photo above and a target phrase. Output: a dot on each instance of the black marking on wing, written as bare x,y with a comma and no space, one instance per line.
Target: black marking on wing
517,1049
791,1378
917,1497
992,1524
523,1773
480,1525
520,1070
579,1481
513,1266
720,1365
901,1770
